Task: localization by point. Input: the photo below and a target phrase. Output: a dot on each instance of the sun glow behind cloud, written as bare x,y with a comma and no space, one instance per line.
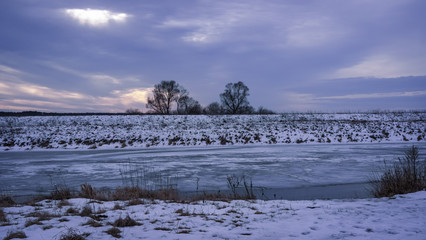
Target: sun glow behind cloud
96,17
25,96
21,95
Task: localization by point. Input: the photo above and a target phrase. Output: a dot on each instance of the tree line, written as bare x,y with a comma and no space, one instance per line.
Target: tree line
168,97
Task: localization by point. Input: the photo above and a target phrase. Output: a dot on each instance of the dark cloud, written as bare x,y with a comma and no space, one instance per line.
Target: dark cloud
291,54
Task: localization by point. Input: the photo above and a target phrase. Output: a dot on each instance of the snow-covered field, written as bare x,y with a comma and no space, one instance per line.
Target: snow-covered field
106,132
400,217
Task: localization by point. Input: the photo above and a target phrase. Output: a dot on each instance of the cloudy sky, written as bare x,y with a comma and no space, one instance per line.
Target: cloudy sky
106,55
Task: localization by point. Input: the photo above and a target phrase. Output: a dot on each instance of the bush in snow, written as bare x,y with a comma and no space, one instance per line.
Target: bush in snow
407,175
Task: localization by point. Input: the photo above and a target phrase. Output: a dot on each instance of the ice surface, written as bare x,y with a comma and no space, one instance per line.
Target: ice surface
273,168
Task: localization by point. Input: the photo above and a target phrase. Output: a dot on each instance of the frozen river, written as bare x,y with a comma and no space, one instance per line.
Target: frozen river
282,171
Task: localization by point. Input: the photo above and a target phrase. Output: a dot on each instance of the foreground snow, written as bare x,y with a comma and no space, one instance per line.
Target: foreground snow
106,132
400,217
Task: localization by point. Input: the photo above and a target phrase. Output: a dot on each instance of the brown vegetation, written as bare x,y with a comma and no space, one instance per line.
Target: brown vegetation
406,175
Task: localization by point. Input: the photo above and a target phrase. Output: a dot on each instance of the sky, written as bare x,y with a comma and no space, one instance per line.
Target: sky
107,55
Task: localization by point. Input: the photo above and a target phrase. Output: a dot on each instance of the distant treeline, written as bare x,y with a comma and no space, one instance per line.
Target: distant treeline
37,113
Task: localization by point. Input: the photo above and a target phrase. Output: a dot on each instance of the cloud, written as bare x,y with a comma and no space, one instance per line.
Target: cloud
104,78
383,66
293,101
20,95
307,31
34,90
376,95
40,104
216,22
95,78
96,17
202,30
9,70
132,96
8,107
258,24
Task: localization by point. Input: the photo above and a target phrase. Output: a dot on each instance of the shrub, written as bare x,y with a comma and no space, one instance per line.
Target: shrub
406,175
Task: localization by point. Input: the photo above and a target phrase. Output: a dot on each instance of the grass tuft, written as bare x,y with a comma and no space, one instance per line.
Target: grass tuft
60,193
115,232
86,211
73,234
125,222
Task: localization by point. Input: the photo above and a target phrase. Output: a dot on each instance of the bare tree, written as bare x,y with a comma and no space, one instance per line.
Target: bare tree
188,105
234,98
214,108
165,94
261,110
133,111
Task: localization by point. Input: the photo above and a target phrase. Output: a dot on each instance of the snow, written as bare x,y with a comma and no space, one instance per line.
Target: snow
110,132
399,217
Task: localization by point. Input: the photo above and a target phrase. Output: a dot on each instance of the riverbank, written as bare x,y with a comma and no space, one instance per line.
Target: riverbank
399,217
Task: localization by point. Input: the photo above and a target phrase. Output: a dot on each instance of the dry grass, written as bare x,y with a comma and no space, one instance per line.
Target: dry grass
86,211
18,234
87,191
133,202
163,229
125,222
40,216
6,201
406,175
92,223
73,234
210,197
135,194
60,193
63,203
115,232
118,207
128,193
3,217
72,211
238,184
